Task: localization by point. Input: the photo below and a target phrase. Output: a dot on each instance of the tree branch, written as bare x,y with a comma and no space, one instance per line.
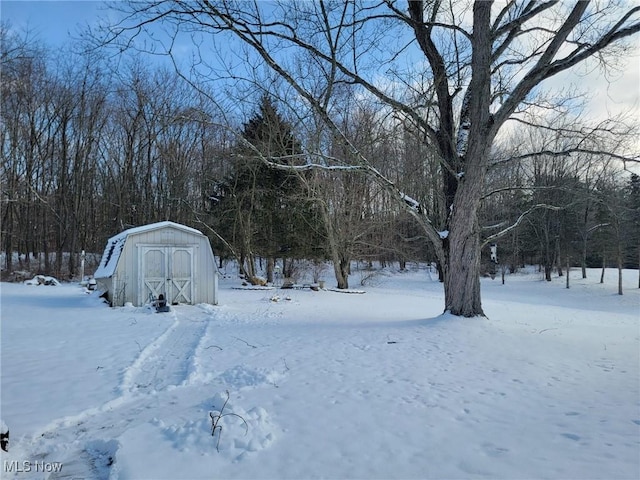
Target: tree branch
515,225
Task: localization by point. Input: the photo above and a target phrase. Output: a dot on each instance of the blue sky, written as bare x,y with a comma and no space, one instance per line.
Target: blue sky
52,22
57,22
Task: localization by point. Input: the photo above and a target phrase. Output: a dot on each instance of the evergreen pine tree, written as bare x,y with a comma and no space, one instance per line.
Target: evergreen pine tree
265,207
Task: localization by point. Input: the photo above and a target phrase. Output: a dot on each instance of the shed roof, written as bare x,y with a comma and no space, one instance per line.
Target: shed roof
115,245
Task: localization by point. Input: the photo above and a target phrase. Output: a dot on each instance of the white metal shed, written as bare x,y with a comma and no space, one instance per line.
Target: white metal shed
165,258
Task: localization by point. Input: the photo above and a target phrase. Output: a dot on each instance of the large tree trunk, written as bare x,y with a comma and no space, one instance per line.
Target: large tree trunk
466,174
341,270
462,272
337,252
547,273
462,277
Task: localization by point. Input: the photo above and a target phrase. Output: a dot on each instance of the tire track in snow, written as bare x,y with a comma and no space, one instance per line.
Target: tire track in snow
162,365
165,362
129,383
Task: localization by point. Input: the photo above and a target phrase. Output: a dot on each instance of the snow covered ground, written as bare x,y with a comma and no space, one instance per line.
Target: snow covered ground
325,384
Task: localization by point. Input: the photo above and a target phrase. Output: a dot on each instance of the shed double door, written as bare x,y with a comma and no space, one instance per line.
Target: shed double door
168,271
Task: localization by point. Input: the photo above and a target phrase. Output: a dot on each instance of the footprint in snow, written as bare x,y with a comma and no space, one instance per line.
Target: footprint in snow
240,377
494,450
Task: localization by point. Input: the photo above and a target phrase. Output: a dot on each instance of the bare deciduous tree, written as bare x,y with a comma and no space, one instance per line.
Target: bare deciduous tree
481,62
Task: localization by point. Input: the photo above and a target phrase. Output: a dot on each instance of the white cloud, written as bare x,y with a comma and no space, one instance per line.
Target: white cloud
610,93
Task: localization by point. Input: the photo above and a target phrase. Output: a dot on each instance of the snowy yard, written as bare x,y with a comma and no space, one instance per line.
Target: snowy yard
325,384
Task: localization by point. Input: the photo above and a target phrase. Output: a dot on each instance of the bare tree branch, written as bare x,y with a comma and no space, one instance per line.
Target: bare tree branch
515,225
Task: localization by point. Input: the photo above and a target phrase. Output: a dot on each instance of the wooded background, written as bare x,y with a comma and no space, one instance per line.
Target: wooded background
89,149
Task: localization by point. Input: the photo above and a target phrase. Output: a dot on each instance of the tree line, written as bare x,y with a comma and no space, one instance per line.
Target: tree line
90,148
462,75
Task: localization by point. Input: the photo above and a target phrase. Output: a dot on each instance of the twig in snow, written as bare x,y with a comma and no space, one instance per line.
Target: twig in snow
215,419
547,329
247,343
213,346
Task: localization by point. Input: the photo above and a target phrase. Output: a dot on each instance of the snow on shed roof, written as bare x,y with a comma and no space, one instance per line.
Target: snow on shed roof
115,245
